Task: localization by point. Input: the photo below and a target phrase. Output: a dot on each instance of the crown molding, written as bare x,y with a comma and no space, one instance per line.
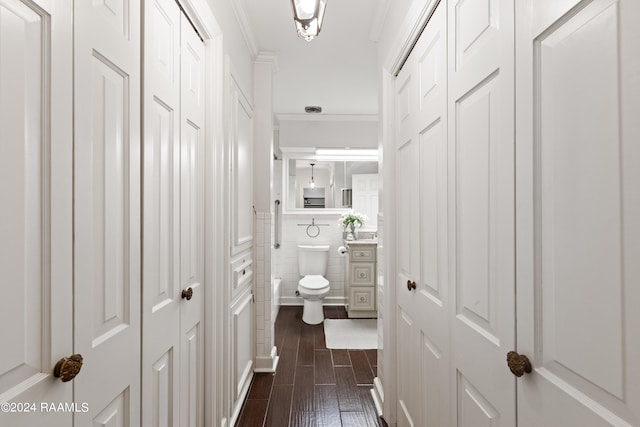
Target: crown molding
265,57
245,27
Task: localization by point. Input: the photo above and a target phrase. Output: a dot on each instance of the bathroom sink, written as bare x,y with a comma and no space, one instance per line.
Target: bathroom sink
364,241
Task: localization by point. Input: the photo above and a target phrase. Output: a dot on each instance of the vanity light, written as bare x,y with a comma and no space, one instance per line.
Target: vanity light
308,15
344,154
312,184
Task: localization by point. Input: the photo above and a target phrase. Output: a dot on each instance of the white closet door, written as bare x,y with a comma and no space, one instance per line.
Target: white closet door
579,212
481,165
107,211
423,331
36,265
192,227
161,215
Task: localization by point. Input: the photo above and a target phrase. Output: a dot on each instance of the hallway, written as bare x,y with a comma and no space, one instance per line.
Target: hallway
313,386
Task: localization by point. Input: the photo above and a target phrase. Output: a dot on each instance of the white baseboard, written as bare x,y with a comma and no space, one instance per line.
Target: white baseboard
267,363
235,414
300,301
378,395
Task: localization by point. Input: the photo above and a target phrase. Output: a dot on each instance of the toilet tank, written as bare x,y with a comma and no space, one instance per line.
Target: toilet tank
313,259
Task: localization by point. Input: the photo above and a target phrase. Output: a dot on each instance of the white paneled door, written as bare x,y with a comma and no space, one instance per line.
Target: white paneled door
107,211
422,281
70,237
173,230
481,210
578,230
36,238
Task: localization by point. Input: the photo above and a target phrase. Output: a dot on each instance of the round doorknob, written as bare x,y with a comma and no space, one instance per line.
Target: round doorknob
411,285
187,293
519,364
68,367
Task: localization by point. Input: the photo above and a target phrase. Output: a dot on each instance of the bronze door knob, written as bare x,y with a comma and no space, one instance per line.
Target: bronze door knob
519,364
187,293
411,285
68,367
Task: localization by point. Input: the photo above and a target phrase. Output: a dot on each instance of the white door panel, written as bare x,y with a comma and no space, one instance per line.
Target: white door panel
241,134
481,171
161,222
173,302
107,210
422,316
36,264
579,210
192,227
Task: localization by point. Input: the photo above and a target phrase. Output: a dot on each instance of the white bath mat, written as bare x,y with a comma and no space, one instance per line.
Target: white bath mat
351,334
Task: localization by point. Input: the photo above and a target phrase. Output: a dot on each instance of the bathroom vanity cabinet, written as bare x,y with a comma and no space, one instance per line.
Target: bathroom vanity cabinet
360,279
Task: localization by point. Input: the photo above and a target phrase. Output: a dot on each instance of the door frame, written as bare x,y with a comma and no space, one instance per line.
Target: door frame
385,389
201,16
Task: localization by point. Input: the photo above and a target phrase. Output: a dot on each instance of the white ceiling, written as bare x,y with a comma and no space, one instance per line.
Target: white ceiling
336,70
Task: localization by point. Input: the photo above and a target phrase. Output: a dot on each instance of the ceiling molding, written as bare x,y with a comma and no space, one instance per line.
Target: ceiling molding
265,57
327,117
245,26
379,19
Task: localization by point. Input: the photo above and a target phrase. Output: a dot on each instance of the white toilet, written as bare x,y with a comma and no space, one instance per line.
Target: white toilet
313,287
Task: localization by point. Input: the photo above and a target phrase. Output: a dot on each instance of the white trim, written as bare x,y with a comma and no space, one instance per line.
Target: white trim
202,17
240,402
265,57
377,392
414,22
245,26
389,308
269,363
327,117
298,301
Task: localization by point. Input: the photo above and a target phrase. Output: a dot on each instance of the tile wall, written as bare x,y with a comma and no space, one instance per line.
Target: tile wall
285,265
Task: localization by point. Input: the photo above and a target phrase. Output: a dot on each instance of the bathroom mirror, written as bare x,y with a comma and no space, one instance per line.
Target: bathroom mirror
316,184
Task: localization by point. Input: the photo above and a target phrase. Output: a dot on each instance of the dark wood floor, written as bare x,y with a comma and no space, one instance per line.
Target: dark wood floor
313,386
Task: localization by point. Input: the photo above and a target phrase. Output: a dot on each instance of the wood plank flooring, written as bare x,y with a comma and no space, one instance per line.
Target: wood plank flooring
313,386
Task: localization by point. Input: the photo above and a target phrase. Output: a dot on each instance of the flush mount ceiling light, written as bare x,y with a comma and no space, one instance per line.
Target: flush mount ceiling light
308,15
313,109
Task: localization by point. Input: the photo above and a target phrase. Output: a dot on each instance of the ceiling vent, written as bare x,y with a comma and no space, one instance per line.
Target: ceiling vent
313,109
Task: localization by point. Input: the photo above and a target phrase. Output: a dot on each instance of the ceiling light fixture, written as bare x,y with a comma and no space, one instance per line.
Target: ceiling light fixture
312,184
308,16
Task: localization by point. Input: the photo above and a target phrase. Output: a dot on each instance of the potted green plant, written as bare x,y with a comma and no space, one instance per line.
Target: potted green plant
352,220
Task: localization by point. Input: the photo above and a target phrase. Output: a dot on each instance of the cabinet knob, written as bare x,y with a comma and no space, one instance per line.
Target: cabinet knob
519,364
411,285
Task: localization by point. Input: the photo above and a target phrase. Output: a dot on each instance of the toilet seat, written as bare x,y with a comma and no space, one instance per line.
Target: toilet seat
313,285
313,282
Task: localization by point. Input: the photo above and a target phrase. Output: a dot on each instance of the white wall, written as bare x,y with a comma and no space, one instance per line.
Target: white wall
395,25
328,131
234,44
286,258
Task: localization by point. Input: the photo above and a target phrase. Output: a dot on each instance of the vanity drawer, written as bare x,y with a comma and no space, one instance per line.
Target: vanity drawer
362,274
361,254
362,298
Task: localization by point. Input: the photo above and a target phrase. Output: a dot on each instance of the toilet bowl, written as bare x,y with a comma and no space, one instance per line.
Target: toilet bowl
312,289
313,286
